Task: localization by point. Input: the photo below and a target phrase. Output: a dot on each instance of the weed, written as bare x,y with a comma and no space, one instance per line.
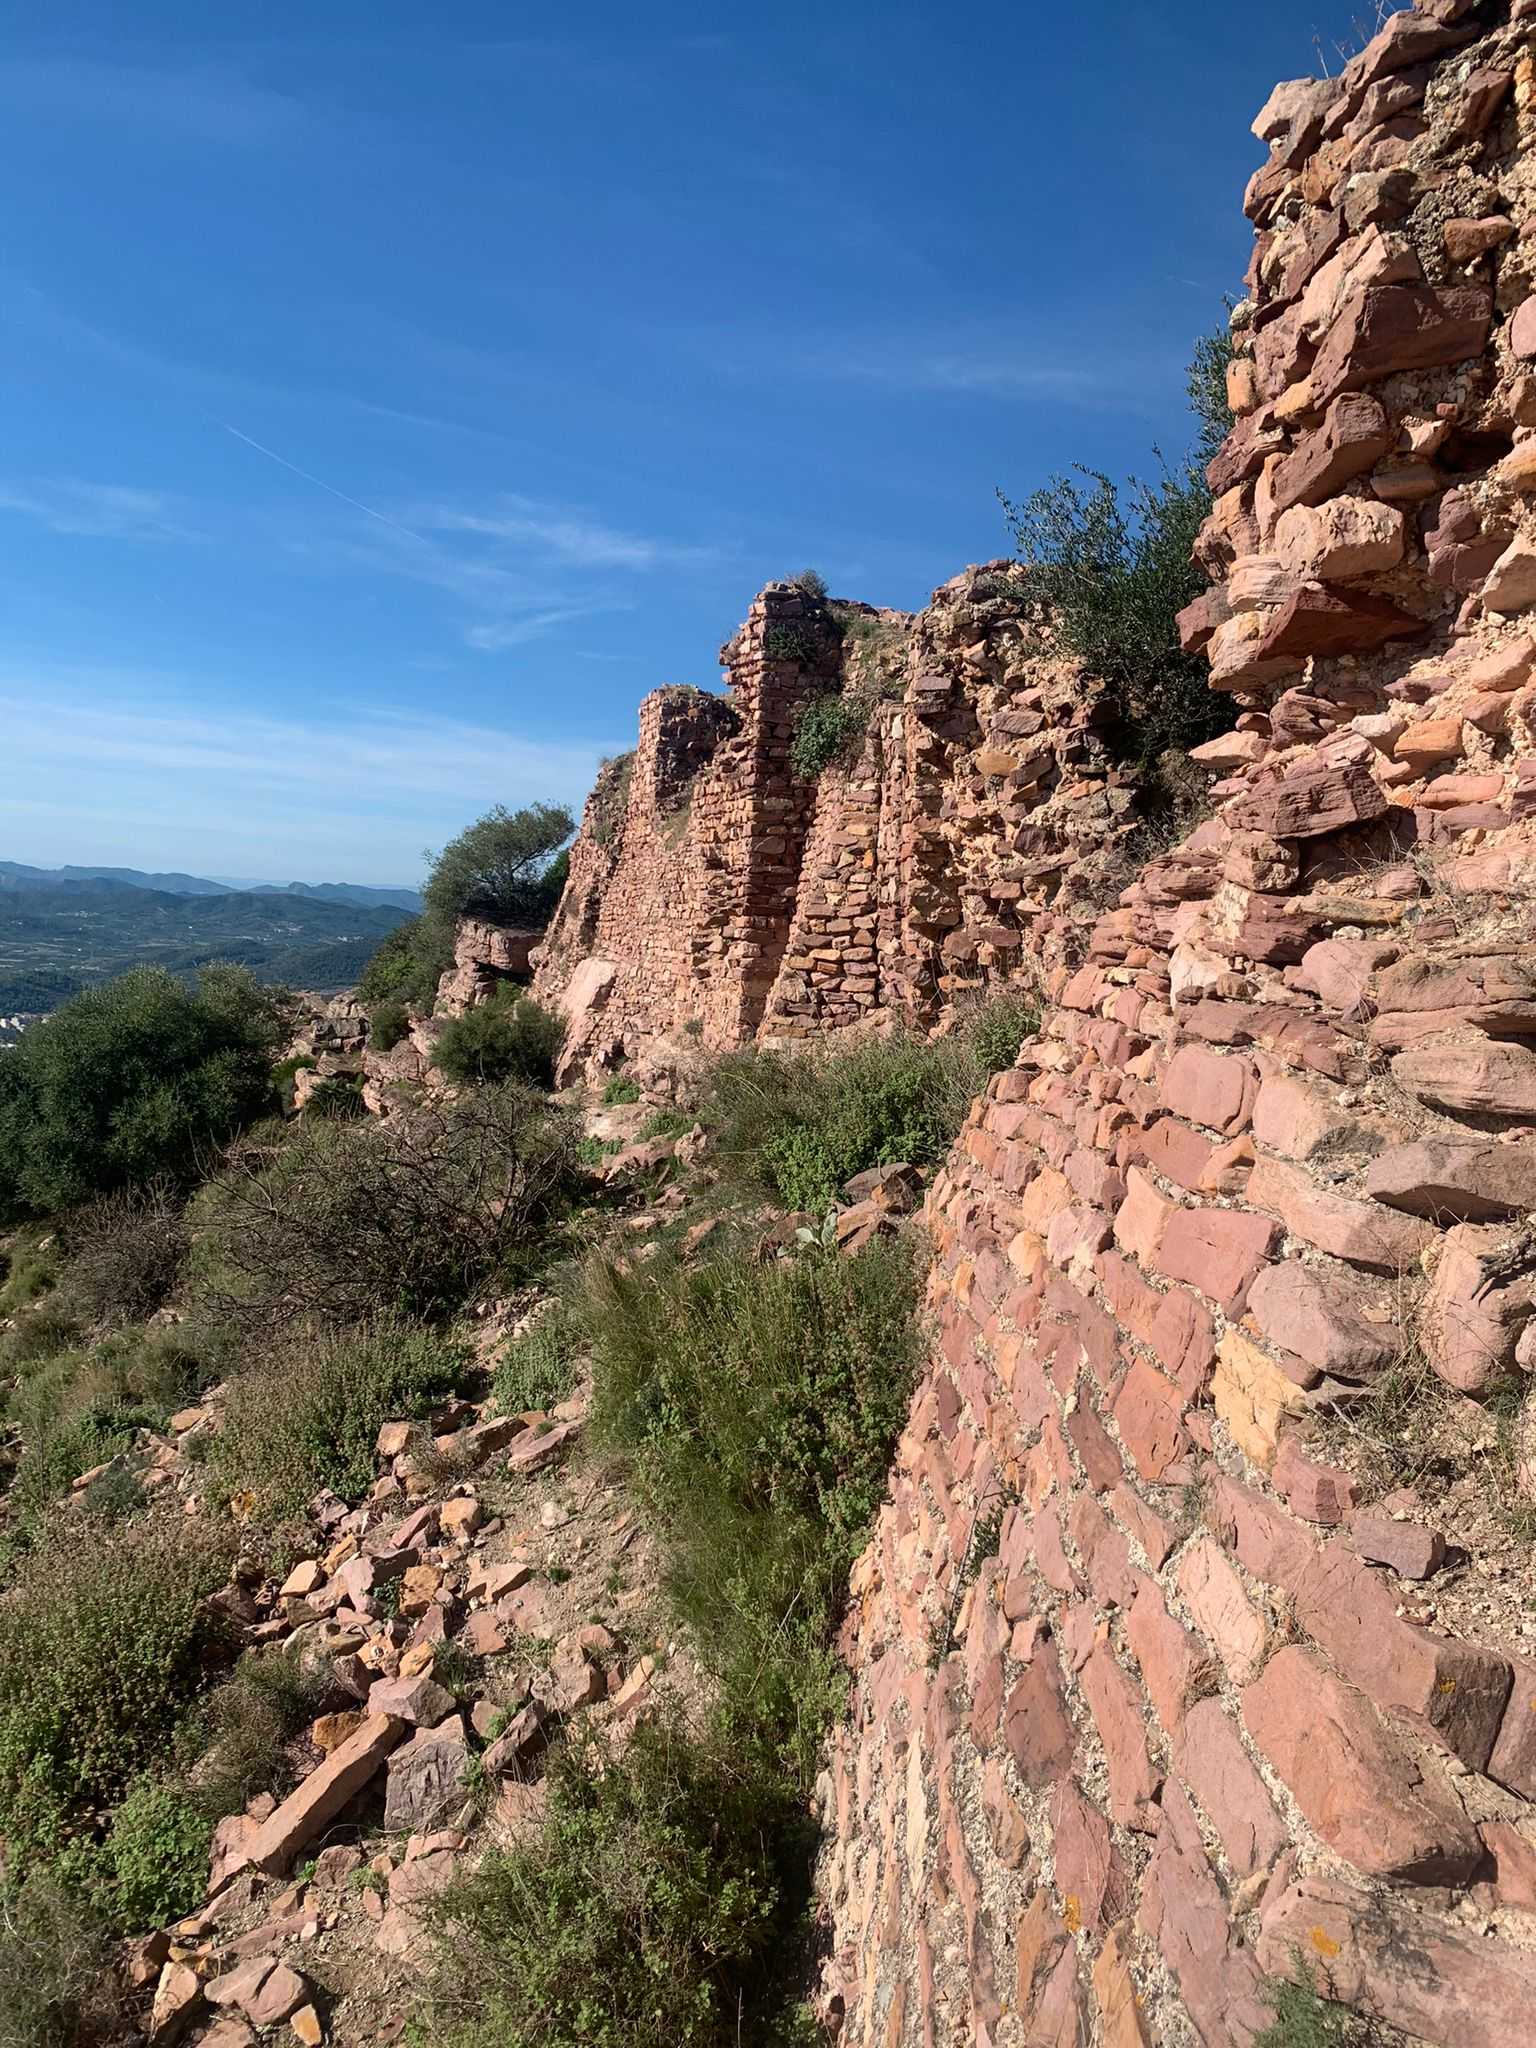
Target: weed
55,1983
157,1853
621,1089
796,1126
1304,2018
127,1253
309,1416
388,1023
248,1722
538,1369
651,1911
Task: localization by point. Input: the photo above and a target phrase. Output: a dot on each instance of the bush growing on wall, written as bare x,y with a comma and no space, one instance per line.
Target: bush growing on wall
510,1038
1114,565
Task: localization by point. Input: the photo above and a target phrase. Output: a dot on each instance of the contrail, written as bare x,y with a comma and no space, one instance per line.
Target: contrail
319,481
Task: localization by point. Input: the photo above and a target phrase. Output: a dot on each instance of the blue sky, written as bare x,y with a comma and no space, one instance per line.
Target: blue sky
391,395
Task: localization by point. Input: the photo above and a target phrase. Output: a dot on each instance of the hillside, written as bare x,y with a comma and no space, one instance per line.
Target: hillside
58,938
19,875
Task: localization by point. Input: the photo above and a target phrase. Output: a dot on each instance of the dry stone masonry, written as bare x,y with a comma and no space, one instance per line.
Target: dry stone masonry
716,896
1158,1697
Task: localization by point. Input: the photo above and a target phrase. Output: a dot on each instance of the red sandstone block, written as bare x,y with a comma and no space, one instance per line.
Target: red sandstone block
1115,1704
1156,1537
1184,1338
1147,1413
1170,1148
1142,1218
1173,1662
1210,1088
1101,1460
1513,1760
1317,1492
1210,1758
1091,1878
1036,1728
1221,1609
1185,1910
1051,1556
1388,1812
1268,1542
1104,1551
1456,1694
1220,1251
1362,1232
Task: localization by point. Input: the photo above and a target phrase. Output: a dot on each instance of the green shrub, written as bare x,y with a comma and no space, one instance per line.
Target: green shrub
652,1912
511,1038
759,1404
408,965
388,1023
538,1369
666,1123
78,1409
337,1096
345,1221
105,1641
137,1080
797,1125
126,1253
270,1697
1304,2018
309,1417
31,1270
1115,566
42,1331
620,1090
828,728
57,1988
996,1030
813,583
157,1855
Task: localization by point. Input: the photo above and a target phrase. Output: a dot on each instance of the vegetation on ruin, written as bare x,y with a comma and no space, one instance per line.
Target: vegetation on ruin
509,1038
1113,564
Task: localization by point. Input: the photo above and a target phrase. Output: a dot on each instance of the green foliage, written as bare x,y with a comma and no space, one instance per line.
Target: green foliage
388,1023
105,1641
651,1913
620,1090
1206,384
828,729
31,1270
759,1404
499,868
797,1125
344,1221
510,1038
157,1855
309,1417
813,583
408,965
1304,2018
1114,566
538,1368
268,1699
996,1030
338,1096
56,1987
666,1123
131,1082
78,1409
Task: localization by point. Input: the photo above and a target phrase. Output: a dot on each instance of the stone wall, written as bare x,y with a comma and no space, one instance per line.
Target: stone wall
1164,1686
717,896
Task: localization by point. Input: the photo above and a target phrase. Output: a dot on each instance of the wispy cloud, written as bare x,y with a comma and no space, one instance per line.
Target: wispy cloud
585,542
97,511
200,103
352,792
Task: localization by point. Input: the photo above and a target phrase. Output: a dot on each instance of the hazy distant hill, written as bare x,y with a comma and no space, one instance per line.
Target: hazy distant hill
57,937
17,875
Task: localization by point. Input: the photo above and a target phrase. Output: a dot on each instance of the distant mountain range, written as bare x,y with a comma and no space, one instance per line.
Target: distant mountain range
17,875
63,930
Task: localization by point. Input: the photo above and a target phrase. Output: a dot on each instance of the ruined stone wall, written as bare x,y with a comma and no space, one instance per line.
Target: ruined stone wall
1166,1685
718,896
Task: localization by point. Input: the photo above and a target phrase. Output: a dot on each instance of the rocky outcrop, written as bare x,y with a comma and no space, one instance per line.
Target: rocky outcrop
1161,1691
717,896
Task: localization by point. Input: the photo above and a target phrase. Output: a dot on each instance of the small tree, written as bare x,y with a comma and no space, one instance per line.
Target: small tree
495,868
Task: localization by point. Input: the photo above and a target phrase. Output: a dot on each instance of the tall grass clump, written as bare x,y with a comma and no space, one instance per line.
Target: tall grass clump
796,1126
759,1405
309,1416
